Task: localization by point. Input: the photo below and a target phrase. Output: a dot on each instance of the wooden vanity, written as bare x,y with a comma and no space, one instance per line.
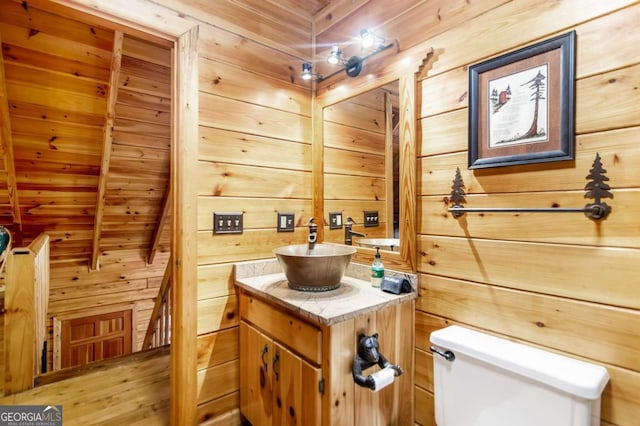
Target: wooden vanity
297,350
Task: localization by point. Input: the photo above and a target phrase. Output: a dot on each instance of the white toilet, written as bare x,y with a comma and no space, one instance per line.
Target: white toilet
484,380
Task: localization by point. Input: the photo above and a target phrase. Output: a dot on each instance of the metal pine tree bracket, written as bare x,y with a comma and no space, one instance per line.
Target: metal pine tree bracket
596,189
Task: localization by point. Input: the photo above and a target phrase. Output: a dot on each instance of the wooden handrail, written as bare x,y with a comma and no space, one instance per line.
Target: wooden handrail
159,328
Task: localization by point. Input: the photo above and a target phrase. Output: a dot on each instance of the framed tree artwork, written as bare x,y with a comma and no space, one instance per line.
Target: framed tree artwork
521,105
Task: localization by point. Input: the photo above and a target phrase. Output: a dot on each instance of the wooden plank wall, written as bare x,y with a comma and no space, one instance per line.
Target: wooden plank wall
254,157
354,162
75,291
560,282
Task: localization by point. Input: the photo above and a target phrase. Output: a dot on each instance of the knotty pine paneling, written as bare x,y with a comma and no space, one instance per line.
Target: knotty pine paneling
571,326
268,23
448,91
55,24
252,244
229,48
215,281
342,162
592,49
425,410
352,138
546,279
227,180
223,411
147,52
260,213
217,314
223,146
63,65
75,288
231,81
83,51
355,188
608,101
255,157
582,272
443,133
217,348
501,29
436,173
549,227
229,114
334,12
218,381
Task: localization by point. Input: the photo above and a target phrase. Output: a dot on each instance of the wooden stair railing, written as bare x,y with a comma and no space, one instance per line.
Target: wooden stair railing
159,329
26,302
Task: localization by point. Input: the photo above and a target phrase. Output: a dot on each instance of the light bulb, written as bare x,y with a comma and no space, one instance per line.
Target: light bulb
306,71
334,55
368,38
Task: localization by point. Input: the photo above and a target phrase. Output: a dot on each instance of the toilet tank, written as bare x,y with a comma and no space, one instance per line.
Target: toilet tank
493,381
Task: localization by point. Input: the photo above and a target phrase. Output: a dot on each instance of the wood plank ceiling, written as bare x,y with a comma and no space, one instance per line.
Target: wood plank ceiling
85,137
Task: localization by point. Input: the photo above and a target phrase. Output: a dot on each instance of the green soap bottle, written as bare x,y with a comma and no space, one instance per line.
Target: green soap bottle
377,270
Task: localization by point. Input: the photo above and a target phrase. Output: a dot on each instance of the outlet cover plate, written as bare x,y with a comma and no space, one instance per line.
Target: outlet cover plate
370,218
227,223
335,220
286,222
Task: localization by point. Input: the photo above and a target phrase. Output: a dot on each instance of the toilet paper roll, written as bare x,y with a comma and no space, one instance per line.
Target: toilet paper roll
383,378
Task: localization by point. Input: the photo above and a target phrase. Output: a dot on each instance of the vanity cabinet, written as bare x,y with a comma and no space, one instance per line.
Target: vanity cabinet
277,385
295,366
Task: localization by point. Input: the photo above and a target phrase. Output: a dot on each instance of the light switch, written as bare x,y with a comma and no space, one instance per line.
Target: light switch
286,222
370,218
227,223
335,220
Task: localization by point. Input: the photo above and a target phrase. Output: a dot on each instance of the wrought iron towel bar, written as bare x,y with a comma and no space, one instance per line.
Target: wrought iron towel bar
596,189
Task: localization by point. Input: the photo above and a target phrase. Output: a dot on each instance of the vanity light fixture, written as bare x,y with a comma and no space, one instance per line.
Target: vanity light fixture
353,65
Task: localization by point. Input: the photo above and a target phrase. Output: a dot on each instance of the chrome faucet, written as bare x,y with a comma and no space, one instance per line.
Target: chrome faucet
313,233
348,232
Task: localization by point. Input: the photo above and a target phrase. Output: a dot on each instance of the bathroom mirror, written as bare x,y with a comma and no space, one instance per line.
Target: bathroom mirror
340,173
361,168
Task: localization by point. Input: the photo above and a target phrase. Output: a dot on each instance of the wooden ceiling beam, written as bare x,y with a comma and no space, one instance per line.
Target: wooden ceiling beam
6,148
116,62
166,204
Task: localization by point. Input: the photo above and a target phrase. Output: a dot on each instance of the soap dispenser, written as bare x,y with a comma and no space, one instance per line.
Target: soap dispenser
377,269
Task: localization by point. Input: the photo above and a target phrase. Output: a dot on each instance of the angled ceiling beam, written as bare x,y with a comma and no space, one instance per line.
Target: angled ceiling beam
166,203
116,61
6,148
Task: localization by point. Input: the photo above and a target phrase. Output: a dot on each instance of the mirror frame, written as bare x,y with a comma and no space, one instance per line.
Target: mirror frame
405,67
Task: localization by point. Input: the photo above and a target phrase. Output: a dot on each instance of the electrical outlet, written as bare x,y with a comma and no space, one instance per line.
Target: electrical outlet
286,222
335,220
227,223
370,218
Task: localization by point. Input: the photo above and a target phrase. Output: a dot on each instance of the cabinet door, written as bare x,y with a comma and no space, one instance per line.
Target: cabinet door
296,393
256,367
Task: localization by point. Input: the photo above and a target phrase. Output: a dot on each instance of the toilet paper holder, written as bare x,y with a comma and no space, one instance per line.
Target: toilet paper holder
367,356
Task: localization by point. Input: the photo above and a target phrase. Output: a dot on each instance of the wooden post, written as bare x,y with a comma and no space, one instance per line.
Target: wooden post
184,288
26,299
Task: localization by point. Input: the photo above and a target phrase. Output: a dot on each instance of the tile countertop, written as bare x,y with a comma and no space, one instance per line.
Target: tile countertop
355,296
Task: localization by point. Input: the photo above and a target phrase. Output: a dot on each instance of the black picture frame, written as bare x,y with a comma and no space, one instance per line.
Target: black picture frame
499,113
